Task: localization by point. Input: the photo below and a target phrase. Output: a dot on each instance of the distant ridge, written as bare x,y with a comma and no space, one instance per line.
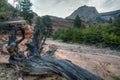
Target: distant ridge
111,14
89,13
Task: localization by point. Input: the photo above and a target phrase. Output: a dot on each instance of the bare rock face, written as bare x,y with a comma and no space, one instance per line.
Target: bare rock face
85,13
90,14
110,15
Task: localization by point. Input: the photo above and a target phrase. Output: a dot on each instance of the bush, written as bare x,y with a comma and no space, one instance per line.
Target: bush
92,35
77,35
57,34
111,39
97,35
68,35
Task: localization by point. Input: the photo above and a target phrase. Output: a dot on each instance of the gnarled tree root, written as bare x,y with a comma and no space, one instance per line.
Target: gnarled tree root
35,64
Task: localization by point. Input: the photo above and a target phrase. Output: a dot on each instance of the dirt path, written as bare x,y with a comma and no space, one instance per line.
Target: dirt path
82,48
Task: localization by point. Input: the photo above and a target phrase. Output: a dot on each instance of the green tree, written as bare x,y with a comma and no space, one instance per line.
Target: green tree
6,10
26,12
38,23
2,4
77,22
47,24
116,23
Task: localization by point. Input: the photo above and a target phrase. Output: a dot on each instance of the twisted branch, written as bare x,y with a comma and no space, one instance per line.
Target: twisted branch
36,64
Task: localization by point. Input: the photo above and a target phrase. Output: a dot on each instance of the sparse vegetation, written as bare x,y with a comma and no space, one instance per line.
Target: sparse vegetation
97,35
68,35
45,24
25,9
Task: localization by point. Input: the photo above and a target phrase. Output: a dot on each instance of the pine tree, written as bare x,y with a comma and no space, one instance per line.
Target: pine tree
77,22
45,24
38,23
46,21
26,11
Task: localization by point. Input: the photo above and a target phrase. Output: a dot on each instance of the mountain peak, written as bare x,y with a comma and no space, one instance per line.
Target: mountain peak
85,6
90,14
85,13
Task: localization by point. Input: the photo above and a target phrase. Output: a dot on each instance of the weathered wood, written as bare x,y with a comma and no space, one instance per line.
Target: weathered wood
35,64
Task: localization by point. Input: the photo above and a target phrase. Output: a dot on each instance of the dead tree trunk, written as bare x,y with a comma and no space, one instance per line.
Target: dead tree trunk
35,64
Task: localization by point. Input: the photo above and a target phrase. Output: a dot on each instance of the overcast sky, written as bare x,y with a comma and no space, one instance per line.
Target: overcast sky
63,8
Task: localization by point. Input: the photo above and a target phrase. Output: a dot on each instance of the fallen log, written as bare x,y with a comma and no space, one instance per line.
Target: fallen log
36,64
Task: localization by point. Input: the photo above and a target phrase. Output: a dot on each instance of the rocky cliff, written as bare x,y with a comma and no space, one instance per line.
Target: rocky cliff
85,13
88,13
109,15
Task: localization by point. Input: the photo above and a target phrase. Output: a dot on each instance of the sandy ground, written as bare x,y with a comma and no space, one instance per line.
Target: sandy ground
106,67
81,48
102,62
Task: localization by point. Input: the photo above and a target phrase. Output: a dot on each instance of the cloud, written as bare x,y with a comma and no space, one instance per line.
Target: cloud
61,8
111,5
64,8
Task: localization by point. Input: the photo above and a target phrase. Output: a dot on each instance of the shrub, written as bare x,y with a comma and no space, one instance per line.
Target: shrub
92,35
111,39
104,35
69,35
77,35
57,34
